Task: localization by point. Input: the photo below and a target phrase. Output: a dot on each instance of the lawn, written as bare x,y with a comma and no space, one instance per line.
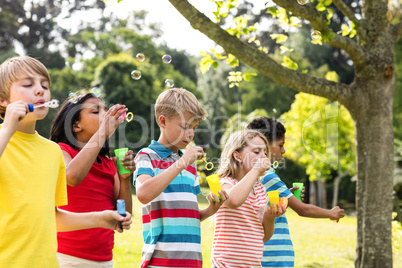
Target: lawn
318,242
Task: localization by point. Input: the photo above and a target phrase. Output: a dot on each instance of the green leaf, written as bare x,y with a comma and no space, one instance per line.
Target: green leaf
288,63
328,2
320,7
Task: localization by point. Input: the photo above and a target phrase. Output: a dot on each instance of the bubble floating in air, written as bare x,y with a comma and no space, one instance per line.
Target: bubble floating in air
316,35
140,57
96,92
169,82
302,2
136,75
72,97
167,58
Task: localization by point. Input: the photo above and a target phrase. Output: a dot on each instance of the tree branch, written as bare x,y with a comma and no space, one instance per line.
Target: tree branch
356,52
347,11
261,61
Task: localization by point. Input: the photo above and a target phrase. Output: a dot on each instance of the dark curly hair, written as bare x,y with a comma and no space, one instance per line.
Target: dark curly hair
271,128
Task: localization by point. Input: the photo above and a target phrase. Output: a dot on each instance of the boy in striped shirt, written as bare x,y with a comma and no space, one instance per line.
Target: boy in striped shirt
278,251
167,185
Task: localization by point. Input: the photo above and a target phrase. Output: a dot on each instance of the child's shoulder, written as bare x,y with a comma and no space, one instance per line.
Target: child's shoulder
270,175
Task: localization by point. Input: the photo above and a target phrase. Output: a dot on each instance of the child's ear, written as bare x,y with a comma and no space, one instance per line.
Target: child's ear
236,156
76,127
162,121
3,103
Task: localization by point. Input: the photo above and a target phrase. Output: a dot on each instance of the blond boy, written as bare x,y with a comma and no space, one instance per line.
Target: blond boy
167,185
32,174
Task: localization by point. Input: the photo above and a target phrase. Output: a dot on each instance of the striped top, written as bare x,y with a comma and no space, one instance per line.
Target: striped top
278,250
238,236
170,222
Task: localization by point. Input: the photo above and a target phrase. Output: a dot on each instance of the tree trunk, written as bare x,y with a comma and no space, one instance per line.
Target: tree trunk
313,193
374,136
322,194
337,181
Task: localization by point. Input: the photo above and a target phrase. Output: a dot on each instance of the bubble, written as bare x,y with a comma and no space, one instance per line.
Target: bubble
167,58
302,2
140,57
274,110
186,53
72,97
316,35
169,82
136,75
96,92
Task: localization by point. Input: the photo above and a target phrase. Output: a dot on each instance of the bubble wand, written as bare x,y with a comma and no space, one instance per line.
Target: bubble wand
51,104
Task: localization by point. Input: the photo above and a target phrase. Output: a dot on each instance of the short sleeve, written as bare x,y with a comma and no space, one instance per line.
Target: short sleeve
197,188
272,182
61,185
143,165
227,180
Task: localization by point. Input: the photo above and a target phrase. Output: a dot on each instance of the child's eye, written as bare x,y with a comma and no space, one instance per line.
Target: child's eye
184,128
27,85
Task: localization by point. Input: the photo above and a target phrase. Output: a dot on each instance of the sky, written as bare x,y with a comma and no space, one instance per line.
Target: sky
177,31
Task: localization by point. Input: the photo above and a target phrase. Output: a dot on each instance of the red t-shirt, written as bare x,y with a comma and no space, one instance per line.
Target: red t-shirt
94,193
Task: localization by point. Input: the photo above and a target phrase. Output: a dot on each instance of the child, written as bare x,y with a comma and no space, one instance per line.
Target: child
32,174
245,221
82,129
167,185
278,251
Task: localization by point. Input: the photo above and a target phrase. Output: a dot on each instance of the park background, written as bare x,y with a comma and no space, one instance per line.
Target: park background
320,139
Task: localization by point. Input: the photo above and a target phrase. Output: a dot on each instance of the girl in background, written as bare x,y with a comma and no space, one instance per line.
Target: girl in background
82,128
244,222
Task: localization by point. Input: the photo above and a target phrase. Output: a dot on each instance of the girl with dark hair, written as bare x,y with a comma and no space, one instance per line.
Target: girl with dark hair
82,128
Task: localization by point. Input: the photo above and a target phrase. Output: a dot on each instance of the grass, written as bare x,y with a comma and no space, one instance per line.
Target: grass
318,243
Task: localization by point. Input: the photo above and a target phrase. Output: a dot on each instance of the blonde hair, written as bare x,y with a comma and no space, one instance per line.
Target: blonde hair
12,70
228,166
178,101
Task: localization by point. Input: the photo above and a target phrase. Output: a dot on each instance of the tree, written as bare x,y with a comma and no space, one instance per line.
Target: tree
369,40
320,136
33,23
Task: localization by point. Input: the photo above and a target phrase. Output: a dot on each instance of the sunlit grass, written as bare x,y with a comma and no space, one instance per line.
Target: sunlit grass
318,243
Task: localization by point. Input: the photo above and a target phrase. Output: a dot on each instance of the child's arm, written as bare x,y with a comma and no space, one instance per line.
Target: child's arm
122,185
213,205
239,193
15,112
69,221
148,187
311,211
78,168
268,221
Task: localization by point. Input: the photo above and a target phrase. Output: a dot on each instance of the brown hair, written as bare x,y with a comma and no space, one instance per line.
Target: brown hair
14,69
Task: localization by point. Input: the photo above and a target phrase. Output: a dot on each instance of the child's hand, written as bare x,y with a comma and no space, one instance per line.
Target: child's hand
128,162
192,153
337,213
111,120
276,211
297,187
262,164
15,112
110,219
215,205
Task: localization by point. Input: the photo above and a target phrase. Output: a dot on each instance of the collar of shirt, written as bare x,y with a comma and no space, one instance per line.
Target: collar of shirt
161,150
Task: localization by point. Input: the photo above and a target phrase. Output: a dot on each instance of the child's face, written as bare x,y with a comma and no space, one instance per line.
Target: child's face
255,149
91,116
31,88
277,149
180,130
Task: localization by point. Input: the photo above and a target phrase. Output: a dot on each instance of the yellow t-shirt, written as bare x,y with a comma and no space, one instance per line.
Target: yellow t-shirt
32,184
